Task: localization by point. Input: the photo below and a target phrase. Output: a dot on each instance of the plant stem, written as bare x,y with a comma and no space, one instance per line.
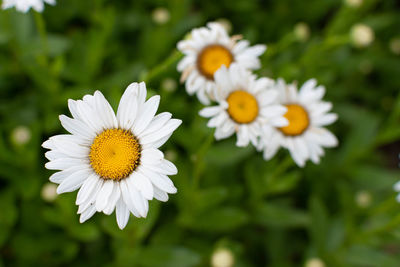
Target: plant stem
41,28
163,66
199,160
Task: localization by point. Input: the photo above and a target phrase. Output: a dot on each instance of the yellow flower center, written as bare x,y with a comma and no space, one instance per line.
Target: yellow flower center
114,154
242,106
298,120
211,58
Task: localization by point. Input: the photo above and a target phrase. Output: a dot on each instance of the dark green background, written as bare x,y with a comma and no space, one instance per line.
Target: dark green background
268,213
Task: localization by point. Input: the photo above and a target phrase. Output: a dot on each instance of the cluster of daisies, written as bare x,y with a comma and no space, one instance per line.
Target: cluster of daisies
267,113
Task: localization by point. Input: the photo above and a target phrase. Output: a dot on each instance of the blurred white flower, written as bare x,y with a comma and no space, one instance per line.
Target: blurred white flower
25,5
354,3
222,258
169,85
21,135
314,262
113,160
396,188
395,46
206,50
363,199
302,31
245,105
305,136
49,192
160,15
362,35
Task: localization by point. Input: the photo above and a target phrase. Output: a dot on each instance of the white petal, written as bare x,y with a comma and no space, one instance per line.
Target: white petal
156,123
163,166
87,214
126,195
76,127
127,108
151,155
122,214
325,119
64,163
104,194
146,114
90,117
74,181
105,111
60,176
210,111
160,180
53,155
89,187
160,142
72,149
396,186
138,201
168,128
160,194
112,201
142,184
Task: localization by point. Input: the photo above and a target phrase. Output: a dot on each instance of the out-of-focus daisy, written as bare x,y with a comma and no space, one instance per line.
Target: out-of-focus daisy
160,15
25,5
305,136
302,31
245,104
113,159
362,35
21,135
314,262
396,188
222,257
206,51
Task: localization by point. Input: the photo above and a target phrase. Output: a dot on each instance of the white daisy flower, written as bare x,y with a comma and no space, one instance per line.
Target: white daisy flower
245,104
25,5
113,159
305,136
206,51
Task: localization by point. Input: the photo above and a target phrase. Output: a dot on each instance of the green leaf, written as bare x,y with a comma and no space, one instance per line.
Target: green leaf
278,215
8,214
154,256
217,220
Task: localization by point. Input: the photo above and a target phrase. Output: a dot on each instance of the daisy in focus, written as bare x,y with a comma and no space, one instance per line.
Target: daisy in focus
25,5
206,51
113,160
305,135
245,105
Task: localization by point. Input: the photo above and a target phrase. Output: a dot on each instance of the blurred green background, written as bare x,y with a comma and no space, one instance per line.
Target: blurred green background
342,212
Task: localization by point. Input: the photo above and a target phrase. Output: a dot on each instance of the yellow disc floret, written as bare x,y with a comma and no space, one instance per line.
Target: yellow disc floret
298,120
114,154
211,58
243,107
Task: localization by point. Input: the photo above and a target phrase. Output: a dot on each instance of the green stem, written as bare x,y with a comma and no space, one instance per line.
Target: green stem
162,67
199,160
284,165
41,28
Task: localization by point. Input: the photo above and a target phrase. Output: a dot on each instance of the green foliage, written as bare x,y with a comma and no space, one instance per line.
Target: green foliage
273,213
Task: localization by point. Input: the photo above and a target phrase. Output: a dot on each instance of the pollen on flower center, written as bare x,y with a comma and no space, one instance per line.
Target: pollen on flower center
211,58
298,120
242,106
114,154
